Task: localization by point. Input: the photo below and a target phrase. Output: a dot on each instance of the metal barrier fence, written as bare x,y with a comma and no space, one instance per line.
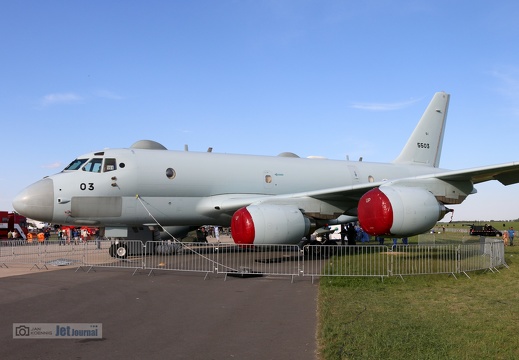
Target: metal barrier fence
288,260
266,260
168,255
339,260
103,254
424,259
40,255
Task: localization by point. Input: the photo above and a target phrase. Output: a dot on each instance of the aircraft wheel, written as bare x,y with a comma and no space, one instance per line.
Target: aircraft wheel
119,251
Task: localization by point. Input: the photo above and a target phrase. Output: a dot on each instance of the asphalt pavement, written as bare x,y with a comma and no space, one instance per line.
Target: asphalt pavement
169,315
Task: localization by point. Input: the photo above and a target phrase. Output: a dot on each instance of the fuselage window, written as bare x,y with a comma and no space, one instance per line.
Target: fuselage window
76,164
93,165
110,165
170,173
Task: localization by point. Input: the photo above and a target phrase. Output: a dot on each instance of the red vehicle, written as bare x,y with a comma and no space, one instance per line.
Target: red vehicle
11,221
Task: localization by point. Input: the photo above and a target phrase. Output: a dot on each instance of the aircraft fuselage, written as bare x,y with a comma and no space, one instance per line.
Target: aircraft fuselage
189,188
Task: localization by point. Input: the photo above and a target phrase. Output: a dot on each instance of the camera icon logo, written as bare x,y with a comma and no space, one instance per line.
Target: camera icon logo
22,330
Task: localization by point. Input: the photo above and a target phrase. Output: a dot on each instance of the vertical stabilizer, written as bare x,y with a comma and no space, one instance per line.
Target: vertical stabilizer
424,147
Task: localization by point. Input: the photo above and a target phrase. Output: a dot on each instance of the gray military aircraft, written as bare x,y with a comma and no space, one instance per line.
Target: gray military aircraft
265,199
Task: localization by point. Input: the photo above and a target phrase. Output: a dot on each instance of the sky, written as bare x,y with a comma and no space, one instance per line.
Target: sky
329,78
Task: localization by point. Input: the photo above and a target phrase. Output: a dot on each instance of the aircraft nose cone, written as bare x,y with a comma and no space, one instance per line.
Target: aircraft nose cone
36,201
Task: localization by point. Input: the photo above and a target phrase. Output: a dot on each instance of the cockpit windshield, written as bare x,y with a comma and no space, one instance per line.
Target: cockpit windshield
76,164
95,165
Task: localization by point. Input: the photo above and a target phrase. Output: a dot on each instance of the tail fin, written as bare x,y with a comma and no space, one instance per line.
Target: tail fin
424,147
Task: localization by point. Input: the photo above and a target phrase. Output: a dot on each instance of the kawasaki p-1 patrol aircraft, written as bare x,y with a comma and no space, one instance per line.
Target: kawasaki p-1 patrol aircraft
265,199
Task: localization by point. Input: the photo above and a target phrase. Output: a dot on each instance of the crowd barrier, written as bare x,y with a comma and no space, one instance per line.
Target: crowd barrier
346,260
41,255
288,260
169,255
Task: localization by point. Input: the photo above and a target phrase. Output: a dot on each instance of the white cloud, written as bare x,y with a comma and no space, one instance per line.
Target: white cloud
383,106
73,98
63,98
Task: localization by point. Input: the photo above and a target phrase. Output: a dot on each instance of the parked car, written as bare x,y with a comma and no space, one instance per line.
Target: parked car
484,230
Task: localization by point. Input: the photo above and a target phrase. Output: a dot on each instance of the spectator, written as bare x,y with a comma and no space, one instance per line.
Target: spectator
217,233
201,235
343,233
61,240
511,234
351,233
505,238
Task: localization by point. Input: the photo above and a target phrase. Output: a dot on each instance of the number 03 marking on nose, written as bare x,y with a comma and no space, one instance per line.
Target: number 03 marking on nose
84,186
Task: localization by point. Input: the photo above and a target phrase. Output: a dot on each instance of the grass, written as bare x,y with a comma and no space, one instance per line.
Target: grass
423,317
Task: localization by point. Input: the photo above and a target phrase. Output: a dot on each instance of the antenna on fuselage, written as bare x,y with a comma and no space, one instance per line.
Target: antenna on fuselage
209,149
186,148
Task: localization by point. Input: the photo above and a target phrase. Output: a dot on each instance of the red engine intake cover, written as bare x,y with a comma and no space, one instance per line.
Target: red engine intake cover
375,213
242,227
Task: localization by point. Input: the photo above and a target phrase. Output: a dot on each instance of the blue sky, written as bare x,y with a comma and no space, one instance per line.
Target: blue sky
328,78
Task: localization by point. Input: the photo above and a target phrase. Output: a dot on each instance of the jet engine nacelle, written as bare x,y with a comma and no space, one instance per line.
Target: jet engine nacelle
399,211
269,224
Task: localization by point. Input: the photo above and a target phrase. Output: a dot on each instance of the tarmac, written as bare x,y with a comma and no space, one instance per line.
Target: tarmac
165,315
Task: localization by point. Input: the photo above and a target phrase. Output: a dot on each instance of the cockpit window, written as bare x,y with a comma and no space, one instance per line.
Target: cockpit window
76,164
110,165
93,165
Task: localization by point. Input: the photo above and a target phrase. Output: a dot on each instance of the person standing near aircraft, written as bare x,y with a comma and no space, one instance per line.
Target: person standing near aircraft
98,239
201,235
351,233
41,237
46,235
75,236
505,237
511,234
61,241
343,233
217,234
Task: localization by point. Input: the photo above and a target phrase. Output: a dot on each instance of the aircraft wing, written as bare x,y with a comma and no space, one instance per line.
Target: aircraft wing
347,197
506,174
